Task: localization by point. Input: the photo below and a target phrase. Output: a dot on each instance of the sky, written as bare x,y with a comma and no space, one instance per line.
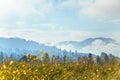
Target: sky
59,20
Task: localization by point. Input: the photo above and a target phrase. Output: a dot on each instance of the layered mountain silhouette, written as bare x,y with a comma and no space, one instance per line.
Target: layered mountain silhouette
90,45
21,47
18,44
93,45
87,42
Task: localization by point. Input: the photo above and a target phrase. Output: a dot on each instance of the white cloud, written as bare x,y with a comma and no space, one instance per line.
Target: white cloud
69,4
24,7
98,47
45,36
20,23
45,9
116,36
97,9
115,21
103,8
24,26
48,33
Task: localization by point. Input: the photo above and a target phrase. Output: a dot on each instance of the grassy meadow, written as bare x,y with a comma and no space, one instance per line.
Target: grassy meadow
34,69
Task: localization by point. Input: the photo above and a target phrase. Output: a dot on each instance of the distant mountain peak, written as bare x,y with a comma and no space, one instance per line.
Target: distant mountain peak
18,46
93,45
105,39
88,41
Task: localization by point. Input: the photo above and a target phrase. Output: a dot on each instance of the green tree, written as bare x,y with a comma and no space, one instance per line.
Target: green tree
46,58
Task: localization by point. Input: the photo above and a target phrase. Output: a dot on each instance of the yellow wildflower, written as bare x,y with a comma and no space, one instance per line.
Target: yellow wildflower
11,62
109,69
3,77
85,77
94,59
97,70
43,64
97,76
4,66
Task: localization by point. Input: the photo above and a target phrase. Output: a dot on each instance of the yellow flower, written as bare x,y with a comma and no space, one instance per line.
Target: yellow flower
119,70
4,66
24,72
43,64
109,69
11,62
97,70
94,59
85,77
1,73
58,64
29,56
36,70
97,76
36,59
14,72
23,65
3,77
17,71
93,78
43,79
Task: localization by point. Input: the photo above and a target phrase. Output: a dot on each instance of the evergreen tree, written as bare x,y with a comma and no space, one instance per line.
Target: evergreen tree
98,59
90,59
105,57
46,58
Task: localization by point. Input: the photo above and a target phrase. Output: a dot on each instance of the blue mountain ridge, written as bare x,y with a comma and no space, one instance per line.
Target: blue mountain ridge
18,46
86,42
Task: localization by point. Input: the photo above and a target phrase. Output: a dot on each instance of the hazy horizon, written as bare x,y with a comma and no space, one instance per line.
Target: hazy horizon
54,43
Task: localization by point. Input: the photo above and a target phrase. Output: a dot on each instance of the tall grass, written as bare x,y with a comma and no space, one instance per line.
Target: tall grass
35,69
